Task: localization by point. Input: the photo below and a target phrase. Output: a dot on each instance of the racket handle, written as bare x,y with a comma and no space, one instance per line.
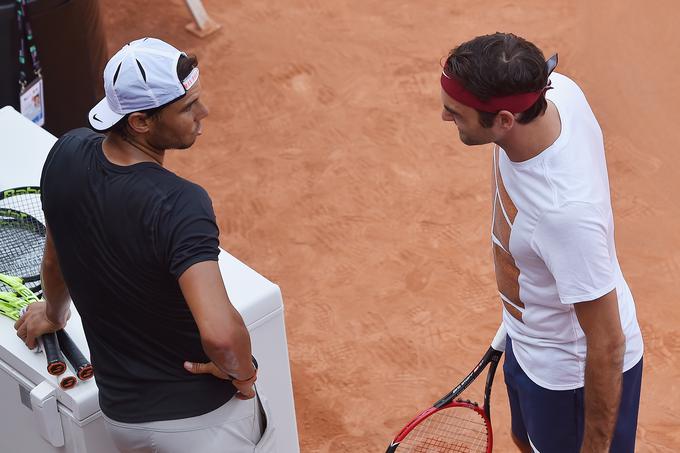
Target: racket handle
498,342
67,380
55,361
75,357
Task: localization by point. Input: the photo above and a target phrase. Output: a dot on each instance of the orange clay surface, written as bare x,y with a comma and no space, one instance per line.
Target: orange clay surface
333,175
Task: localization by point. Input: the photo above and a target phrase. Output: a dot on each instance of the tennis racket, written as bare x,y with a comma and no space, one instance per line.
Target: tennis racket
451,424
22,234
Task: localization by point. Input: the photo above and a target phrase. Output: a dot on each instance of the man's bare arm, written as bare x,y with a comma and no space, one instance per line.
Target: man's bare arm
55,291
224,336
51,315
605,340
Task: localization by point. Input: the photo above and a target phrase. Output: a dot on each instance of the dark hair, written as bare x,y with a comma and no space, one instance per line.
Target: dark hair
185,65
499,65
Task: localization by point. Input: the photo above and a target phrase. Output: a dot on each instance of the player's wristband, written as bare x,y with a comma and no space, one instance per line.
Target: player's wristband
253,378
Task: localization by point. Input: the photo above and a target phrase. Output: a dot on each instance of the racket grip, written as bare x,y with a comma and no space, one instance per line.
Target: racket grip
75,357
498,342
55,361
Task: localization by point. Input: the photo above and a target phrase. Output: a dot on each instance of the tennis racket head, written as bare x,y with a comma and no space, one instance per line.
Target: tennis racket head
457,427
454,425
22,234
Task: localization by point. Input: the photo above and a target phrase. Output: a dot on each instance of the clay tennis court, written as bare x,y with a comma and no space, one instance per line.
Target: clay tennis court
333,175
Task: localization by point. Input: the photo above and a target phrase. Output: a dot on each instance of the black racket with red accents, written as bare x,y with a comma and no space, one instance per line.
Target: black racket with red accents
81,366
452,424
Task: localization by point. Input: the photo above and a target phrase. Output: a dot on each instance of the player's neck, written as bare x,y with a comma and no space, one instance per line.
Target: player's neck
529,140
129,151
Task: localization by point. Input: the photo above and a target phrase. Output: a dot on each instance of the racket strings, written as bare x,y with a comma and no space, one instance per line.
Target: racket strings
21,249
22,236
454,429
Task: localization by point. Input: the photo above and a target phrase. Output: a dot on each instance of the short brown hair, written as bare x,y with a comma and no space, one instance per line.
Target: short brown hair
500,64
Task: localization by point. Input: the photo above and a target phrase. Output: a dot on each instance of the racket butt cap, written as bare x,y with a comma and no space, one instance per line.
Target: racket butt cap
56,368
68,382
85,372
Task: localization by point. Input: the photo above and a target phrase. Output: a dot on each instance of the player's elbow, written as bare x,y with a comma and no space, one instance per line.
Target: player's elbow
617,346
221,341
608,341
217,343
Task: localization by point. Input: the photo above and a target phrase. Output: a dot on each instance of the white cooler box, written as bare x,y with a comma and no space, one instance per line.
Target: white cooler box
37,416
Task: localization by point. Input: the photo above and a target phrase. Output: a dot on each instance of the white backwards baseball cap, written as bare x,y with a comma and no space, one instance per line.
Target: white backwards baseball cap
141,76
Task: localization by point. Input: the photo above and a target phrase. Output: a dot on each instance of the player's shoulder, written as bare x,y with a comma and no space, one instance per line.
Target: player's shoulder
69,150
81,134
178,191
76,140
192,190
175,185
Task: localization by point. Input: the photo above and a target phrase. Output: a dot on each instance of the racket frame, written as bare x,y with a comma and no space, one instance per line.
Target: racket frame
21,190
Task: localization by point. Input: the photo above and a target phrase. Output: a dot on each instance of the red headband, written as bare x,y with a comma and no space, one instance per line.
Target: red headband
514,103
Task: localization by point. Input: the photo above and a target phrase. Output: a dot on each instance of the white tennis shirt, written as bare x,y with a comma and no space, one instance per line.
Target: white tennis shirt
553,246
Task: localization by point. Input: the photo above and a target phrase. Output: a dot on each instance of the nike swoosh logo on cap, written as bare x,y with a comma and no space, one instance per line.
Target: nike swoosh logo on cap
94,117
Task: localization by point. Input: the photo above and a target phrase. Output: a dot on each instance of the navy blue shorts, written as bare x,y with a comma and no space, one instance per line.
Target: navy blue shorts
552,420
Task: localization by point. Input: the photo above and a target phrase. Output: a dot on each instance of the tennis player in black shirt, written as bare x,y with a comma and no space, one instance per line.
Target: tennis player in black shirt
135,247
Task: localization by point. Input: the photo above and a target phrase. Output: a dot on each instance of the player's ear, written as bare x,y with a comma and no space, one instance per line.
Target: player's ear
139,122
504,120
